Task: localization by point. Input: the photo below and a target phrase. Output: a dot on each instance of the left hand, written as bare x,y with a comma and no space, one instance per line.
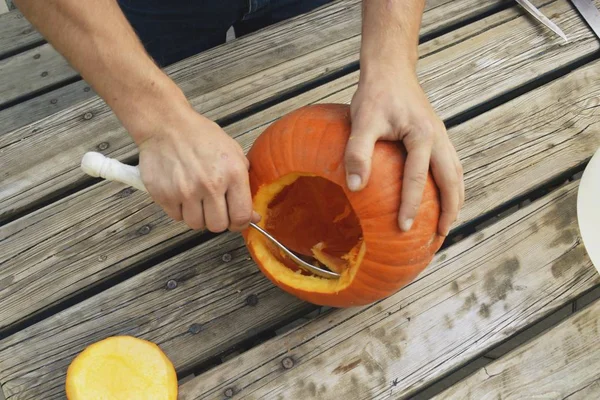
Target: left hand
390,105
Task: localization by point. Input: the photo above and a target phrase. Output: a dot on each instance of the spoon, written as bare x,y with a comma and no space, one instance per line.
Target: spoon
99,166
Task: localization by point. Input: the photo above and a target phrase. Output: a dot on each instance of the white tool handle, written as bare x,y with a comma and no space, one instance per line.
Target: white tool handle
100,166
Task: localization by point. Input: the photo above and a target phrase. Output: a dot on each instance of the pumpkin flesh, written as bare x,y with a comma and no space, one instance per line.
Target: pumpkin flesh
312,217
121,367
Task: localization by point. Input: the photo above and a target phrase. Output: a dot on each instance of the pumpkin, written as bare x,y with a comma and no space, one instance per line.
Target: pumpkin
121,367
297,179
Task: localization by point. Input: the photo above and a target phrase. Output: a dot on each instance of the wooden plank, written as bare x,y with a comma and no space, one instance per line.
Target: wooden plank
563,363
481,291
219,83
32,71
587,299
451,379
212,291
42,106
51,68
440,14
102,223
531,332
16,33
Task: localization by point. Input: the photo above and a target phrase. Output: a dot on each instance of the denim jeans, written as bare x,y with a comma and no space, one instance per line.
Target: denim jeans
172,30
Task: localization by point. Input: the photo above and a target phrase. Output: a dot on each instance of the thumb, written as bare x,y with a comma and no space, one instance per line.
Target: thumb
359,152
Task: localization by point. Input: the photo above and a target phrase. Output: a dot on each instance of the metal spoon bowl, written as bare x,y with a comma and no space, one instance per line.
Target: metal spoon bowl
323,273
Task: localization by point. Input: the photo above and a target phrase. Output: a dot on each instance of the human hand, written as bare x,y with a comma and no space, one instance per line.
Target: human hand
390,105
197,173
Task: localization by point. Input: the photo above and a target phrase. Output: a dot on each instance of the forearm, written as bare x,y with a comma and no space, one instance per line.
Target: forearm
390,33
96,38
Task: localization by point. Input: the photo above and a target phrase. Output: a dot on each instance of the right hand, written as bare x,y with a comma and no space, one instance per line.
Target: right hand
197,173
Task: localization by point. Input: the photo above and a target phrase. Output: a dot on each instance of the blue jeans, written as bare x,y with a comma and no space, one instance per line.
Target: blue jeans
172,30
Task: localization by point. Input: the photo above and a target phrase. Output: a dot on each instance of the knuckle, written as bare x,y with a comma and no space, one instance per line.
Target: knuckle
410,208
239,219
214,187
427,134
218,226
238,171
356,157
173,212
176,217
194,224
160,198
418,178
460,169
188,191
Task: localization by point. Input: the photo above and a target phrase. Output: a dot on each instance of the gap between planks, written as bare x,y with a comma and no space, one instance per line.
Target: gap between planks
480,292
564,363
50,69
523,140
219,83
55,101
16,34
92,236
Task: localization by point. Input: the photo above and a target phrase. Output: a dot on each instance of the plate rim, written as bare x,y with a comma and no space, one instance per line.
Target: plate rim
590,239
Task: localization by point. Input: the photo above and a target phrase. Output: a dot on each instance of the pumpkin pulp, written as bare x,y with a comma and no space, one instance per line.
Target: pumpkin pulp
311,216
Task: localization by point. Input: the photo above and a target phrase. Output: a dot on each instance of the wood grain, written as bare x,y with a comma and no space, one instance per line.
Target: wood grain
70,236
16,33
32,71
480,292
65,238
563,363
212,292
27,76
42,106
219,83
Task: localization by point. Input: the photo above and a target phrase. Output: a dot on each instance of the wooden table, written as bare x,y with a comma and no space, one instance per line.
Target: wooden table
81,260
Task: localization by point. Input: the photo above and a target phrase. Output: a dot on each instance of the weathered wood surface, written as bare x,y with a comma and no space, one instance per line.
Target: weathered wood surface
563,363
32,71
219,83
517,140
481,291
16,33
101,232
42,106
444,13
440,14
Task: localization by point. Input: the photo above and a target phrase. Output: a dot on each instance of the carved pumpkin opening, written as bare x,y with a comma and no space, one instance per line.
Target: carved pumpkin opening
313,217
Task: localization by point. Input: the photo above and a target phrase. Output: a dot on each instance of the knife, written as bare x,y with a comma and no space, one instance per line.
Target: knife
526,4
590,13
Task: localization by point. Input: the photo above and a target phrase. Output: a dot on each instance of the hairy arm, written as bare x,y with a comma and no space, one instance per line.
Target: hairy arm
391,105
96,38
189,165
390,33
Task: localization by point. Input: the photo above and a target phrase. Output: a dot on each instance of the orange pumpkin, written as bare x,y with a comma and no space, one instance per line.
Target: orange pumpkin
297,177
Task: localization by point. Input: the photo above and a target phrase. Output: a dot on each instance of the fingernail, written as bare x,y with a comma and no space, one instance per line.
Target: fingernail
354,182
407,224
256,216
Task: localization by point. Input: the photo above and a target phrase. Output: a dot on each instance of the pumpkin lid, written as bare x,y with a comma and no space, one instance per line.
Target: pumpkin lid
122,367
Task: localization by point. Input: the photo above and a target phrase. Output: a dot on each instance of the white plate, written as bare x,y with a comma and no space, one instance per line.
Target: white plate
588,209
